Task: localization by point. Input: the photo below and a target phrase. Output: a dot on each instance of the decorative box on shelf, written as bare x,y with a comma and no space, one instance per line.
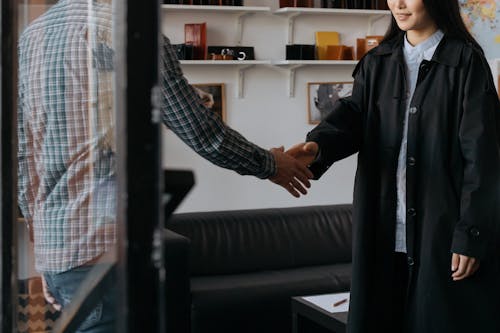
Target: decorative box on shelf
296,3
205,2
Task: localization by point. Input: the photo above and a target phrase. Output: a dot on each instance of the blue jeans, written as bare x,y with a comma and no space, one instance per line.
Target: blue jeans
63,287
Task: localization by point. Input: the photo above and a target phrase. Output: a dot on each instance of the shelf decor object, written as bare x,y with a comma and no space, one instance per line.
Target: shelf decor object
355,4
205,2
296,3
241,12
322,96
332,4
289,66
242,53
214,97
184,52
291,14
300,52
195,34
339,52
323,40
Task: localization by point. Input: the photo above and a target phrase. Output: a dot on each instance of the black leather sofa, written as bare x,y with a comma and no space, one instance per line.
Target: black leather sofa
236,271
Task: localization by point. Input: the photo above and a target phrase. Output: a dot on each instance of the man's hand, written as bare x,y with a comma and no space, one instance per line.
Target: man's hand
463,266
48,296
304,152
206,98
291,174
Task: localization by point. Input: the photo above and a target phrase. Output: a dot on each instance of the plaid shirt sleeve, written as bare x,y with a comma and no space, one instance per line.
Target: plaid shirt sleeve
202,130
25,156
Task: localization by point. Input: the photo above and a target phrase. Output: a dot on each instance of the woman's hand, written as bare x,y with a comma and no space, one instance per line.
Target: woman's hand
463,266
304,152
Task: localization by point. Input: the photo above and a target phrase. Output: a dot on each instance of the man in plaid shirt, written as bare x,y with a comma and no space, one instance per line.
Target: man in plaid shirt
67,183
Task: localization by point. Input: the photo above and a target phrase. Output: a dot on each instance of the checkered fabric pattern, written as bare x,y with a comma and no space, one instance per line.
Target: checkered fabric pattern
66,154
184,113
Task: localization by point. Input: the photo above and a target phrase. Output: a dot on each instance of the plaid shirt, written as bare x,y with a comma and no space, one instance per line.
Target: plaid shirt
67,188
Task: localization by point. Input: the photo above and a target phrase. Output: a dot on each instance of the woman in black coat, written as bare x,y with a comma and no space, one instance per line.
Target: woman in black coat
426,252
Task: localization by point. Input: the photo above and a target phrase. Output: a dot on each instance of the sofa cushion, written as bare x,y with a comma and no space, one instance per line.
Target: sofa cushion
232,242
260,298
219,292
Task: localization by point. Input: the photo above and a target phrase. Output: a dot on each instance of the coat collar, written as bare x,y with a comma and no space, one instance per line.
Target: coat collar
447,53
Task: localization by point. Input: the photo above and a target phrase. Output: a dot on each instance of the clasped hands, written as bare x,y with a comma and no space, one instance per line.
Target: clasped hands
291,167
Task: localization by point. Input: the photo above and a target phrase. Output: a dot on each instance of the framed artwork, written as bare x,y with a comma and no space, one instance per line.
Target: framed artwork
214,97
322,96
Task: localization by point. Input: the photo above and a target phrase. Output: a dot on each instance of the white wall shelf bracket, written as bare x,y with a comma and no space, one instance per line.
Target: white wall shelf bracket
291,27
241,80
292,13
371,22
290,70
291,67
241,13
291,80
239,26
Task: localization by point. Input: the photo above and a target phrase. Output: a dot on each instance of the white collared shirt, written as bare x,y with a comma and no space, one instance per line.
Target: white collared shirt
414,55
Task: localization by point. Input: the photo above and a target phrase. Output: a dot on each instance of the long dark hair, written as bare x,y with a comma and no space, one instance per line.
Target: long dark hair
446,15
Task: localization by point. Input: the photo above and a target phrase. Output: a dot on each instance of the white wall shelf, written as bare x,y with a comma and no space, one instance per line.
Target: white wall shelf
291,66
285,63
241,13
291,14
241,66
222,9
225,62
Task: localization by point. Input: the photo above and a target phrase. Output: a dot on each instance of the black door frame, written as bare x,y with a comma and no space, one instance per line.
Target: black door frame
8,155
138,165
143,162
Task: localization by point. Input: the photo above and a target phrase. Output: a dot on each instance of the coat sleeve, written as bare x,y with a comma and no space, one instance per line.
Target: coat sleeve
476,233
340,134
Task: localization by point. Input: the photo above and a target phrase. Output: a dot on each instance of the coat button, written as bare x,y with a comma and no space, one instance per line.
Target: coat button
474,232
411,262
412,161
413,110
412,212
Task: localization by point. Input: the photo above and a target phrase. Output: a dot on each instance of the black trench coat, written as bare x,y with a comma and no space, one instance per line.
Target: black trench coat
453,187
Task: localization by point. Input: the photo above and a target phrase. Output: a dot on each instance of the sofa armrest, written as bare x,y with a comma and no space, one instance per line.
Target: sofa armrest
177,285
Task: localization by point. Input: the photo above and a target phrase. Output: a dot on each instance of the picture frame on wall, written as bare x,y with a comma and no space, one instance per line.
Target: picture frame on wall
322,96
216,99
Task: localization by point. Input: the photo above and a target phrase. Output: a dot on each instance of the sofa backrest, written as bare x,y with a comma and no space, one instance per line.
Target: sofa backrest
231,242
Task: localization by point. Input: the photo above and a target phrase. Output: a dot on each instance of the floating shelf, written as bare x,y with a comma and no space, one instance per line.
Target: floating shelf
225,62
285,63
241,13
291,13
291,66
221,9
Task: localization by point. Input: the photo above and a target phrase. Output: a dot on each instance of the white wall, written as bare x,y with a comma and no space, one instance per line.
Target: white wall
266,115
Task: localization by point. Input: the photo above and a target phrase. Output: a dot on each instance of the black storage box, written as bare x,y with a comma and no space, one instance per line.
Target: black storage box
184,51
300,52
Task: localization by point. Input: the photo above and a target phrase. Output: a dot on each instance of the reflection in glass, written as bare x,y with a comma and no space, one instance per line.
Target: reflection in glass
66,156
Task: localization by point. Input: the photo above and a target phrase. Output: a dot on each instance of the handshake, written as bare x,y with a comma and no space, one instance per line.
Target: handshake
292,171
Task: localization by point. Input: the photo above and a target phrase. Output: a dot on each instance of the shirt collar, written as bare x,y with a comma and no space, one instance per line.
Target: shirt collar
448,52
426,48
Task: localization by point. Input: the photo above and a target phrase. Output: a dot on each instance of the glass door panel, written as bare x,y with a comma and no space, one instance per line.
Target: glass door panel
67,229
